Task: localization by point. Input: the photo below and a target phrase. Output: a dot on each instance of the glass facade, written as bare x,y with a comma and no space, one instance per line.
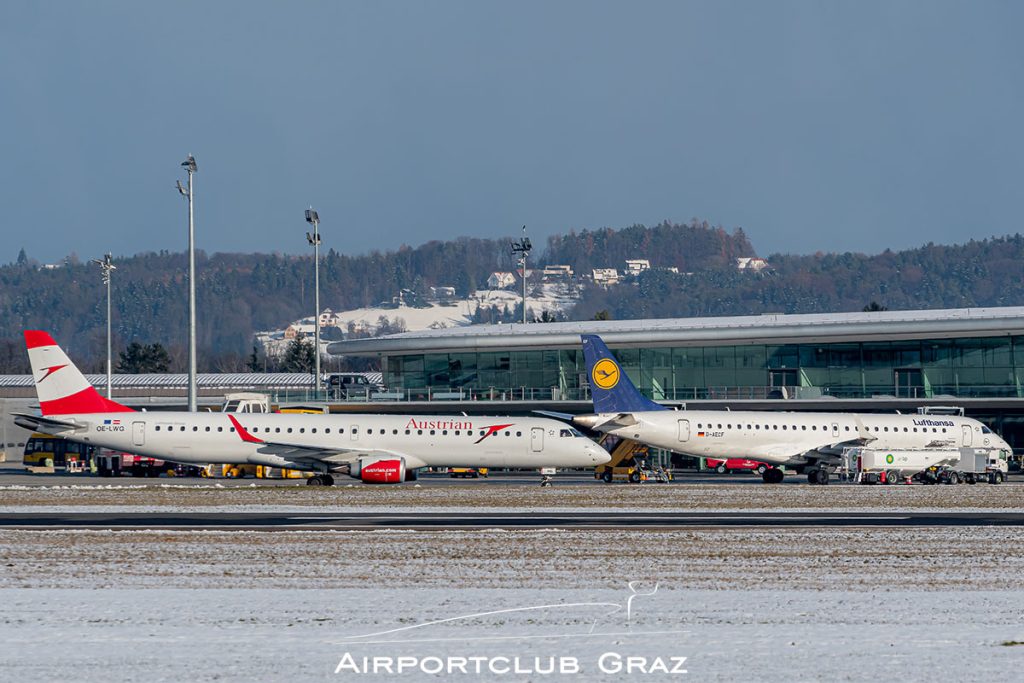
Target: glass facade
964,368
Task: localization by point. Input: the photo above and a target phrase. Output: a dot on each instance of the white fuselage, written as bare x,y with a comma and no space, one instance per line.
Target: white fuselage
794,438
424,441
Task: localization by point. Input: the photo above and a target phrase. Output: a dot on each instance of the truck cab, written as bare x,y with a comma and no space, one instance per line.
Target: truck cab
343,385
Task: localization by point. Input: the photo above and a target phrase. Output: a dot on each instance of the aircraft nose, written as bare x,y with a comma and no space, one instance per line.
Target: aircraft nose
599,455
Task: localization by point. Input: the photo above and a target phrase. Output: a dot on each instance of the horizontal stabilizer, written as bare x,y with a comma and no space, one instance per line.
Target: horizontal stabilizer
564,417
40,423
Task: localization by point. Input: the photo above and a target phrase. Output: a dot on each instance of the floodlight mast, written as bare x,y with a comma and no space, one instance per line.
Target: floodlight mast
313,218
190,166
106,265
522,249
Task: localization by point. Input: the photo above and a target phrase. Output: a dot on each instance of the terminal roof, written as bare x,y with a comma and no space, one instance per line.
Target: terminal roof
738,330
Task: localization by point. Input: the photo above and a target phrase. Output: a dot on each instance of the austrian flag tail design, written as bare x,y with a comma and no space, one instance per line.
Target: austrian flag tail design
61,388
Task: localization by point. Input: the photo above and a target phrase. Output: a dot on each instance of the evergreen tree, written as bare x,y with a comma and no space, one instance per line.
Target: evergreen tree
140,359
299,357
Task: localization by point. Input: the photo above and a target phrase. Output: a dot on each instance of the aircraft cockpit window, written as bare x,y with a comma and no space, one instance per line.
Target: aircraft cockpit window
564,432
985,430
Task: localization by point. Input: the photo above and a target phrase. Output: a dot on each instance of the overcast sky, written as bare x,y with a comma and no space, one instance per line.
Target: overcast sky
814,126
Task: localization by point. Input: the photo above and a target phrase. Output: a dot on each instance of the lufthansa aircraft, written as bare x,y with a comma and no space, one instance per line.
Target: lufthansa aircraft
809,442
373,448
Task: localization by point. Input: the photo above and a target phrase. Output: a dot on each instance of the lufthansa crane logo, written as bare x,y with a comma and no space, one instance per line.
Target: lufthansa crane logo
605,374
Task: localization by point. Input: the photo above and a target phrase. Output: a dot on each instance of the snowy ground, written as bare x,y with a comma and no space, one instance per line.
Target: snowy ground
502,498
739,604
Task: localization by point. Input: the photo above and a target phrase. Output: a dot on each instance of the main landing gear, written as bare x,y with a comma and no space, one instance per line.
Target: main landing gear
320,480
772,475
818,475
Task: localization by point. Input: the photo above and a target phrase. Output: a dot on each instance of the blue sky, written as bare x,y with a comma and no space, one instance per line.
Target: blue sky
827,126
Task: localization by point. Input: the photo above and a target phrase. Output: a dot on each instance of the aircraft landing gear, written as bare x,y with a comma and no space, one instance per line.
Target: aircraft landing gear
772,475
320,480
819,476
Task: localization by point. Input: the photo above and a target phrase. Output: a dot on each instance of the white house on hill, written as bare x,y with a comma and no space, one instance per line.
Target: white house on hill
751,263
501,280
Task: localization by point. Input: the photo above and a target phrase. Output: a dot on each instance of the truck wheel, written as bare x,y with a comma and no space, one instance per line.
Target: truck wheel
892,477
997,478
607,476
953,479
721,469
761,469
634,477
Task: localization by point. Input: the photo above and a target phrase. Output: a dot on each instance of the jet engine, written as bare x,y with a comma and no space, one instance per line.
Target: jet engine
379,470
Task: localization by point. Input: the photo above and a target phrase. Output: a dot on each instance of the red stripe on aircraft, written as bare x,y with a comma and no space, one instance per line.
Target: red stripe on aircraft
87,400
242,432
493,429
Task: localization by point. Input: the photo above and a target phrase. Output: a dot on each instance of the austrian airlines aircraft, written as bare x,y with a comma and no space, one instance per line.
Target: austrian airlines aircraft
809,442
374,448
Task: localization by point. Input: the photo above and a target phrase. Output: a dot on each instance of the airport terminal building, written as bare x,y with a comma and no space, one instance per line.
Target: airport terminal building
968,357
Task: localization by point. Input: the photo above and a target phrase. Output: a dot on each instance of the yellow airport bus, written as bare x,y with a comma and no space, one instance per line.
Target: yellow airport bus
43,450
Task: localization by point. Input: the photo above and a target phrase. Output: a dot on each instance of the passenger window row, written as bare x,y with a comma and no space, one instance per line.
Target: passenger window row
327,430
813,427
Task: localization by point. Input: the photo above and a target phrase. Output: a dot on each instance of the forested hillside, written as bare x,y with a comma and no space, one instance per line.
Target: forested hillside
980,273
240,294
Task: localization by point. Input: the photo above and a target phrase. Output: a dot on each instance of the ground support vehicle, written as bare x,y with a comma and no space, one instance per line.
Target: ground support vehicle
467,472
44,452
113,464
976,465
737,465
627,463
886,466
929,466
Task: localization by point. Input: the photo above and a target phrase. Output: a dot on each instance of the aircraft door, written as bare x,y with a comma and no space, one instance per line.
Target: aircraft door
537,439
684,430
354,432
139,433
968,435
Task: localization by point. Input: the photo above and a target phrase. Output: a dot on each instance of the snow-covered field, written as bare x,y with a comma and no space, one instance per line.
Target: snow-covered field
485,497
739,604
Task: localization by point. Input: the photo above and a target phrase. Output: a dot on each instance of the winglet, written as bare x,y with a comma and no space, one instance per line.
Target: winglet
243,432
611,388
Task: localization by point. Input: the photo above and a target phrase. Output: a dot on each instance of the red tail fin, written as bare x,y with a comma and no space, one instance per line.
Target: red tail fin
62,389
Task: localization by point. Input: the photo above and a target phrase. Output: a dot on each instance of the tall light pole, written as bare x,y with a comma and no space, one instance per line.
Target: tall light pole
190,166
522,248
106,265
314,240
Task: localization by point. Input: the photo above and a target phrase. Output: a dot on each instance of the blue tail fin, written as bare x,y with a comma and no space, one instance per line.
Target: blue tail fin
610,387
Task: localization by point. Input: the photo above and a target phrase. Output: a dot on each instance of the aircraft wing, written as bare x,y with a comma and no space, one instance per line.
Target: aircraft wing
831,451
338,456
863,438
300,452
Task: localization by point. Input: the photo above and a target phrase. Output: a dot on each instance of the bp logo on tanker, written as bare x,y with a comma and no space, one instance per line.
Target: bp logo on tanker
889,458
605,373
